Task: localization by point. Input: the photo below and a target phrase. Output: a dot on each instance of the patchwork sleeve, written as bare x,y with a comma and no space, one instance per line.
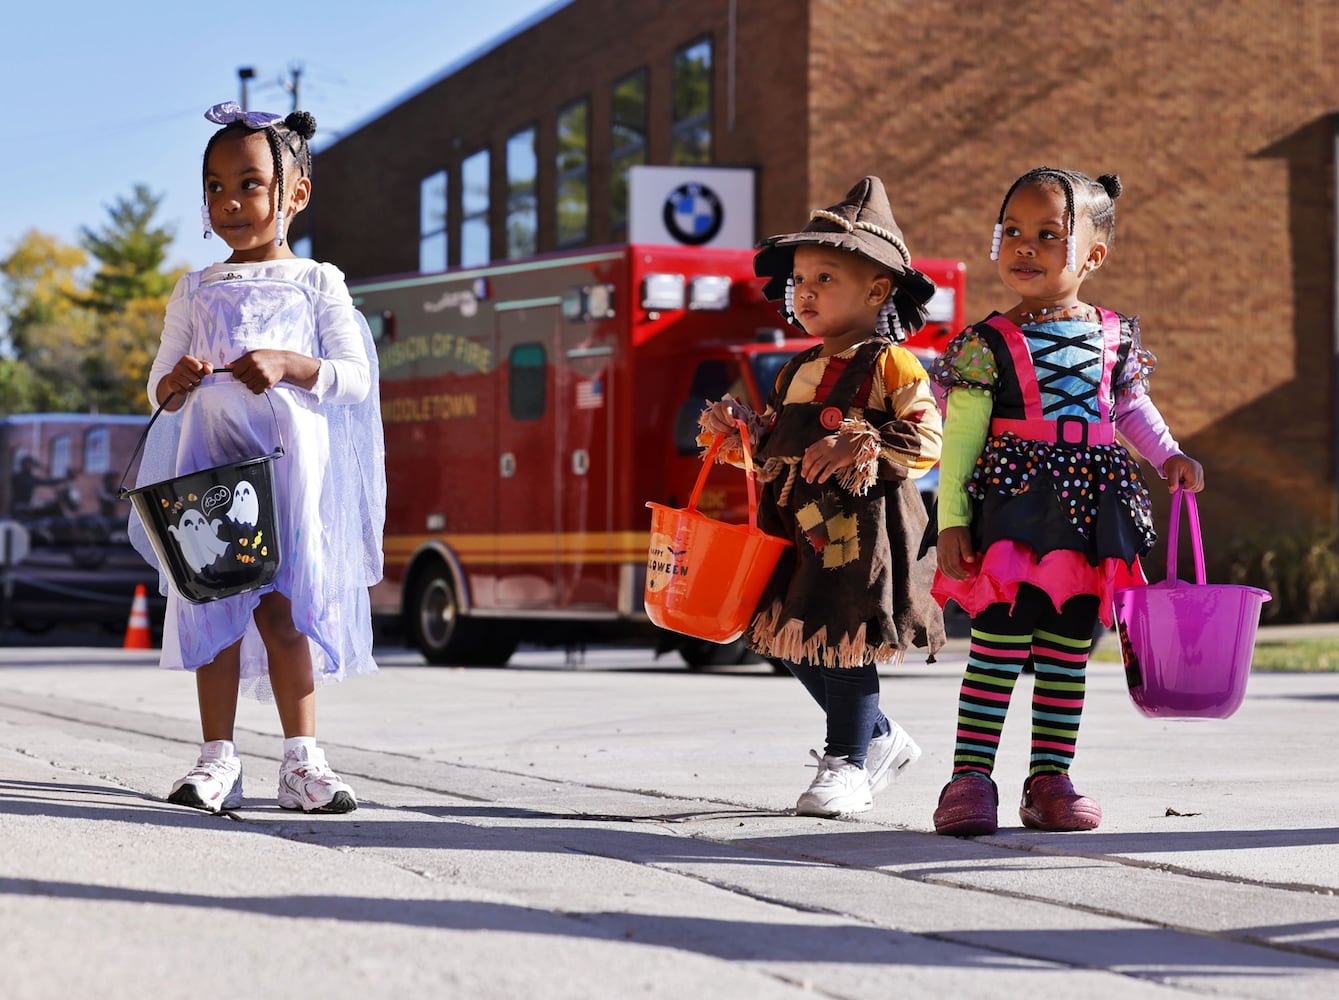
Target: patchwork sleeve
967,362
1132,374
909,442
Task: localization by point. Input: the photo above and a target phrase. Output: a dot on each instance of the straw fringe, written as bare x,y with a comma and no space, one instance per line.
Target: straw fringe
865,440
786,642
732,449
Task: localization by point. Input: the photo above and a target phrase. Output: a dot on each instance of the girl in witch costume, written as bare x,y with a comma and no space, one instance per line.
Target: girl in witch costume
850,423
1042,513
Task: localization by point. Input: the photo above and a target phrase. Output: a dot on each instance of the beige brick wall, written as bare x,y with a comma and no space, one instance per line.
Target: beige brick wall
1216,118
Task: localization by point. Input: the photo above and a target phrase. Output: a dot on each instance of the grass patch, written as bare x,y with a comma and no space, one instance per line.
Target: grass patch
1294,656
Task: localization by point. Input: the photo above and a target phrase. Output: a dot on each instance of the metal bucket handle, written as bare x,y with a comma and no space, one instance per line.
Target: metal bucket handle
122,493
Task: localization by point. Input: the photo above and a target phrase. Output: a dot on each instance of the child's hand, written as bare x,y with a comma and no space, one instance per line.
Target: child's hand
720,417
956,557
185,375
260,370
826,457
1183,472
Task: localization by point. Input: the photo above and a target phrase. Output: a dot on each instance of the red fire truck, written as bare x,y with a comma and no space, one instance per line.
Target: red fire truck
531,409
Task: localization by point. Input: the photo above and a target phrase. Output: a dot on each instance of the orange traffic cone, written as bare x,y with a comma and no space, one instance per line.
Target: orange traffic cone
137,629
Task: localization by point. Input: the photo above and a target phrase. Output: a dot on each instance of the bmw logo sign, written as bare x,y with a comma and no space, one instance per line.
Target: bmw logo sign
693,214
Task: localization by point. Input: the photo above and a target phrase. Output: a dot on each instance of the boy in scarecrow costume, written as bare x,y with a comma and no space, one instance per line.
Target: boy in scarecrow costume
849,426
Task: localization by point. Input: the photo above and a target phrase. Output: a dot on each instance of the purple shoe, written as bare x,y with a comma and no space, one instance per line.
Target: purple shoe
968,807
1050,803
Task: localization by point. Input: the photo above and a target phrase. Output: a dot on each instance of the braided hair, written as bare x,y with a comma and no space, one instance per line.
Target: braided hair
289,140
1098,201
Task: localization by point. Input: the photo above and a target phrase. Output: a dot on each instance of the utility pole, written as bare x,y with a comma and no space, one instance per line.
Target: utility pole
292,86
245,73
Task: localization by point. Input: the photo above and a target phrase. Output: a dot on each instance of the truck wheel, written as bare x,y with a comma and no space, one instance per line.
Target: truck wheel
443,635
433,617
701,653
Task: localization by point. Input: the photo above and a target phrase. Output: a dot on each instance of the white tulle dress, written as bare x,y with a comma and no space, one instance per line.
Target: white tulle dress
330,484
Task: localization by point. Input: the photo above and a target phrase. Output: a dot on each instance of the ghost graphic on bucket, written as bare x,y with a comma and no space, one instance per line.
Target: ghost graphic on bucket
198,540
245,507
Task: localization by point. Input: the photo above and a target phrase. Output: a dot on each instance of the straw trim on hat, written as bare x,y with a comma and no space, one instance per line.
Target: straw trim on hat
862,223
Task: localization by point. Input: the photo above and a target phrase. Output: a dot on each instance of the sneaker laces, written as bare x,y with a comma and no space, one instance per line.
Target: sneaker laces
214,768
312,769
829,768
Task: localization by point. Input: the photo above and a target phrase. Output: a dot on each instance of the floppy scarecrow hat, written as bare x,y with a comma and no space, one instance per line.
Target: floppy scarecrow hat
863,223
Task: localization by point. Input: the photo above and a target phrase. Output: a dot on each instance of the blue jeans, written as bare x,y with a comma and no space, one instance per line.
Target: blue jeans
849,697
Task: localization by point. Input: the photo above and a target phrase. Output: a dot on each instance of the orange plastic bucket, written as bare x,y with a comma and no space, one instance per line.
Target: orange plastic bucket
704,577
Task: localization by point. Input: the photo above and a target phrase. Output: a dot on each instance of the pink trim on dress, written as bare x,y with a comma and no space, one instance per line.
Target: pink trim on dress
1061,574
1016,341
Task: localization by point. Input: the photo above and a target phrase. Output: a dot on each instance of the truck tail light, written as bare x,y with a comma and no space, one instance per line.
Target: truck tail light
663,291
710,291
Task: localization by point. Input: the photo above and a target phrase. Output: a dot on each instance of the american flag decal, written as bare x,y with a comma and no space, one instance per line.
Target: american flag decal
590,394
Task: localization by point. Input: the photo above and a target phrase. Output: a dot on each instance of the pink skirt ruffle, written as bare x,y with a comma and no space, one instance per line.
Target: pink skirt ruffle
1061,574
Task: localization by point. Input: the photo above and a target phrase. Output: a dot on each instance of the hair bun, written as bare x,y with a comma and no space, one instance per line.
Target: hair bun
1111,182
301,122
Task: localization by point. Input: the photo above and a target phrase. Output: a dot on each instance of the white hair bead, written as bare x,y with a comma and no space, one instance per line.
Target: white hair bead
995,241
888,324
204,217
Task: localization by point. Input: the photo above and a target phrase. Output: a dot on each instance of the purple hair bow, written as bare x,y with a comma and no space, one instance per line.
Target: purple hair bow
230,111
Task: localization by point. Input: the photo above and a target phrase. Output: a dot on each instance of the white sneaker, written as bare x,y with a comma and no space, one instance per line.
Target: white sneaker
307,783
889,756
215,783
839,787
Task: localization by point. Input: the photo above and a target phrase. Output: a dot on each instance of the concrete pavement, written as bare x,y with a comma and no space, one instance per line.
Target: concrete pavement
622,828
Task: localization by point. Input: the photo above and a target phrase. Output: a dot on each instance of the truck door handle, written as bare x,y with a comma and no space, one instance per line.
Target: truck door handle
507,465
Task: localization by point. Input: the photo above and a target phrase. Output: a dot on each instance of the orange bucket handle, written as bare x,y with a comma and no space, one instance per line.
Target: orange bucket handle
710,457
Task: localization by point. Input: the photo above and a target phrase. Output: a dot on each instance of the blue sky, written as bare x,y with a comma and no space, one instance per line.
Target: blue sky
104,96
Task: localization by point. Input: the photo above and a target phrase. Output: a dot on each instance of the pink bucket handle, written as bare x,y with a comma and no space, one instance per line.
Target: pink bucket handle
710,457
1196,541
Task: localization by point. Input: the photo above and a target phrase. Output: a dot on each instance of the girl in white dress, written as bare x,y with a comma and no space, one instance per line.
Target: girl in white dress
302,369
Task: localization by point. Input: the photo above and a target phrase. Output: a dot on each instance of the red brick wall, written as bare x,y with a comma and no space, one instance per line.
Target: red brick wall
1216,116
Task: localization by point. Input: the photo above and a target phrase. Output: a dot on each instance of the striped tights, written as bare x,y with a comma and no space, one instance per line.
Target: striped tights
1003,641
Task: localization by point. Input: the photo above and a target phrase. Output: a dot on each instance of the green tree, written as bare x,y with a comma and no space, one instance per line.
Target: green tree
46,326
18,388
78,343
128,293
41,282
130,251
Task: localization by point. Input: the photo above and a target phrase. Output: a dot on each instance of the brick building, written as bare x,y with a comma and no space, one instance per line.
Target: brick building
1220,119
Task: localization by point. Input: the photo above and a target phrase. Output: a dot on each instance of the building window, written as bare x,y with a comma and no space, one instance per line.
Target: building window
628,146
474,233
573,173
98,450
690,102
522,217
60,461
432,222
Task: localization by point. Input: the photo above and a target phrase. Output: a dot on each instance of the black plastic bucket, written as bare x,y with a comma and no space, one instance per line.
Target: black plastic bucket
215,531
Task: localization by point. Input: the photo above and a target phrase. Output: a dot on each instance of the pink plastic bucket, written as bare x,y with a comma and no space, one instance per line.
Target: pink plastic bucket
1187,647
